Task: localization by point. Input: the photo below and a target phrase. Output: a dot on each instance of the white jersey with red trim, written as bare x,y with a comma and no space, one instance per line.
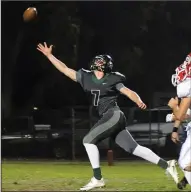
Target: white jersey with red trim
183,89
182,72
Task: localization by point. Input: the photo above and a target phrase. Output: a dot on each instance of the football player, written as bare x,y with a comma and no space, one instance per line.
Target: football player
180,140
103,87
182,80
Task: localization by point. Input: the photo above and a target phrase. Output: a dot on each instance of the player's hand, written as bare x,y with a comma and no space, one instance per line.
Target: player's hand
141,105
175,137
45,49
173,102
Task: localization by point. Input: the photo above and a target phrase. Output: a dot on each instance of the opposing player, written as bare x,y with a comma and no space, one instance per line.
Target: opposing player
182,80
180,140
103,87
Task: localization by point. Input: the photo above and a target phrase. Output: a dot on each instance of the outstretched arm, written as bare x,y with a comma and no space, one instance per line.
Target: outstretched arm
47,51
62,67
133,96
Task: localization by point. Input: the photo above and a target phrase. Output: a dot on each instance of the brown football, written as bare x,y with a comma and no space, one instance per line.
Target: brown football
30,14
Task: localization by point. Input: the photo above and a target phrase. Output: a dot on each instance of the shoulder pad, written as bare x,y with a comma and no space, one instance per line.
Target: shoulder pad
119,78
87,71
119,74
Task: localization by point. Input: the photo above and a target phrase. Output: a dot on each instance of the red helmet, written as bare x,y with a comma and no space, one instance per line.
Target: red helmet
183,71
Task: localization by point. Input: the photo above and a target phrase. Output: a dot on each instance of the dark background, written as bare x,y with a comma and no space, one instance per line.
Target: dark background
147,40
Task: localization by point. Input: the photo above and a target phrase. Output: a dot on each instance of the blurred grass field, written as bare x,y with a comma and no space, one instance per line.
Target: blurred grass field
62,176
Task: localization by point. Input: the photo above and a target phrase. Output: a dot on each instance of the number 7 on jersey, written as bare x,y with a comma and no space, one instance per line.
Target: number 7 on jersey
96,95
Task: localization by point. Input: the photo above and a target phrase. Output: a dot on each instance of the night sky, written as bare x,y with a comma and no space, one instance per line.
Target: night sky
146,40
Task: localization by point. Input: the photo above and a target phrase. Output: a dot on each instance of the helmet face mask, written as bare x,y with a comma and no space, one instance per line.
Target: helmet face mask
102,63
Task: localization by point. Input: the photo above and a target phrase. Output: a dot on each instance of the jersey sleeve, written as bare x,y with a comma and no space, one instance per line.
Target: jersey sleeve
121,79
119,86
79,76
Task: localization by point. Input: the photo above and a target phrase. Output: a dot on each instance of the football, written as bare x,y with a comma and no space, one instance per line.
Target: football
30,14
